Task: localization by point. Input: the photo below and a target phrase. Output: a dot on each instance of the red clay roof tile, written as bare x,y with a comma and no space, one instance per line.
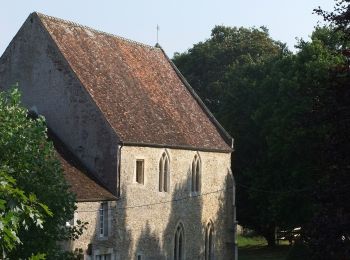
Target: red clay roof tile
136,87
82,184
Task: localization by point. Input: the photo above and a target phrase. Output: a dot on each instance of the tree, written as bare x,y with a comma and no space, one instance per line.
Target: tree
36,196
287,170
328,233
16,209
226,70
266,97
339,18
207,63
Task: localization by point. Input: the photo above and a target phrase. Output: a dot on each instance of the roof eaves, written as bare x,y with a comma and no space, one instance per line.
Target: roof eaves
181,147
97,199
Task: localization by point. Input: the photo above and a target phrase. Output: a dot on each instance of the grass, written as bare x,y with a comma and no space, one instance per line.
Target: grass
255,248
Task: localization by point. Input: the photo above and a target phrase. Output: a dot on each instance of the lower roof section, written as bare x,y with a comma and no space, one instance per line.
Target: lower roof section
84,185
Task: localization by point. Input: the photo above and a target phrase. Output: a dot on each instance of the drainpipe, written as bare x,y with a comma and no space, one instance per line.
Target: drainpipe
235,222
119,167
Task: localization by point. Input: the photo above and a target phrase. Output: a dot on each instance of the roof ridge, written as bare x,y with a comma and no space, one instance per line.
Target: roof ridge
95,30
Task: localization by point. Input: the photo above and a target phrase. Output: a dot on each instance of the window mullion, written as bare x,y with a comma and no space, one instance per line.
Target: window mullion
165,174
193,176
161,169
178,245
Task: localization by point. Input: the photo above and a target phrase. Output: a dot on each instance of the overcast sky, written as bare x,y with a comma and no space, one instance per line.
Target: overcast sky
182,23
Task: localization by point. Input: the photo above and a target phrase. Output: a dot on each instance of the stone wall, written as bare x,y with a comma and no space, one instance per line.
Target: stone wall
89,212
148,218
145,220
50,88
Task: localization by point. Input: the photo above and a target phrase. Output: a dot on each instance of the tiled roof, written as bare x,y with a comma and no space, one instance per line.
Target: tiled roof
83,184
137,88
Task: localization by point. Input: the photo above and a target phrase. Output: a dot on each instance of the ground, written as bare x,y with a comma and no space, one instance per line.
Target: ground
255,248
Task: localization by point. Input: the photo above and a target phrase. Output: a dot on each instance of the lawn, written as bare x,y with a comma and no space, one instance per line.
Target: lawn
255,248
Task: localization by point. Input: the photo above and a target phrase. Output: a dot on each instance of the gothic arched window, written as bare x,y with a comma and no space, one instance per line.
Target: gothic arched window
196,174
164,173
179,243
209,243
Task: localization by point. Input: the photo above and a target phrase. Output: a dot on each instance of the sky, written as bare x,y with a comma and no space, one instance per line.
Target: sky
181,23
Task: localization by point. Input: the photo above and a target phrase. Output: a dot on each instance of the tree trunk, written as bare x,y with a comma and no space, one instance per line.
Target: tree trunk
269,235
271,241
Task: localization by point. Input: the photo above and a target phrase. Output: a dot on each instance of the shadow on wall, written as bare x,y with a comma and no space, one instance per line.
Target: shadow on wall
148,245
117,234
224,222
122,234
102,244
183,232
72,249
186,213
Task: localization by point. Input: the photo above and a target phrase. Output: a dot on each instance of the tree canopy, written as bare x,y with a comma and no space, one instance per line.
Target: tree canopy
229,49
35,202
339,17
267,98
226,70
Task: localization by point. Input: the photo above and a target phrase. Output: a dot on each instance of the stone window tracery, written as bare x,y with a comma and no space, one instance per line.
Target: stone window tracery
164,173
209,243
179,243
196,174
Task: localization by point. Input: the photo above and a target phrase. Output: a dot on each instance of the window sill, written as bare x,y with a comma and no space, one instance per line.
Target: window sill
195,193
163,193
102,238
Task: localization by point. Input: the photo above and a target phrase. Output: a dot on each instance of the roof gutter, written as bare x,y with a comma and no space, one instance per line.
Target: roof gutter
180,147
119,167
96,200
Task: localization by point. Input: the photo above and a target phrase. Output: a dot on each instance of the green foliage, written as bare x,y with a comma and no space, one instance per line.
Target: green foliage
245,241
16,210
209,65
279,172
339,18
328,233
265,96
38,257
36,197
227,71
77,254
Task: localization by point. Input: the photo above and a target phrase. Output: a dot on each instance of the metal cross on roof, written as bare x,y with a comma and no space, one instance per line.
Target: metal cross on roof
157,32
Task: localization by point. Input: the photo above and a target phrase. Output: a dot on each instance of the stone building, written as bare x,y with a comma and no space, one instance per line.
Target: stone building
149,163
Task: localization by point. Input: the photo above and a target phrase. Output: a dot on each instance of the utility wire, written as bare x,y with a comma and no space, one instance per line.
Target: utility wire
164,202
273,191
281,192
208,193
